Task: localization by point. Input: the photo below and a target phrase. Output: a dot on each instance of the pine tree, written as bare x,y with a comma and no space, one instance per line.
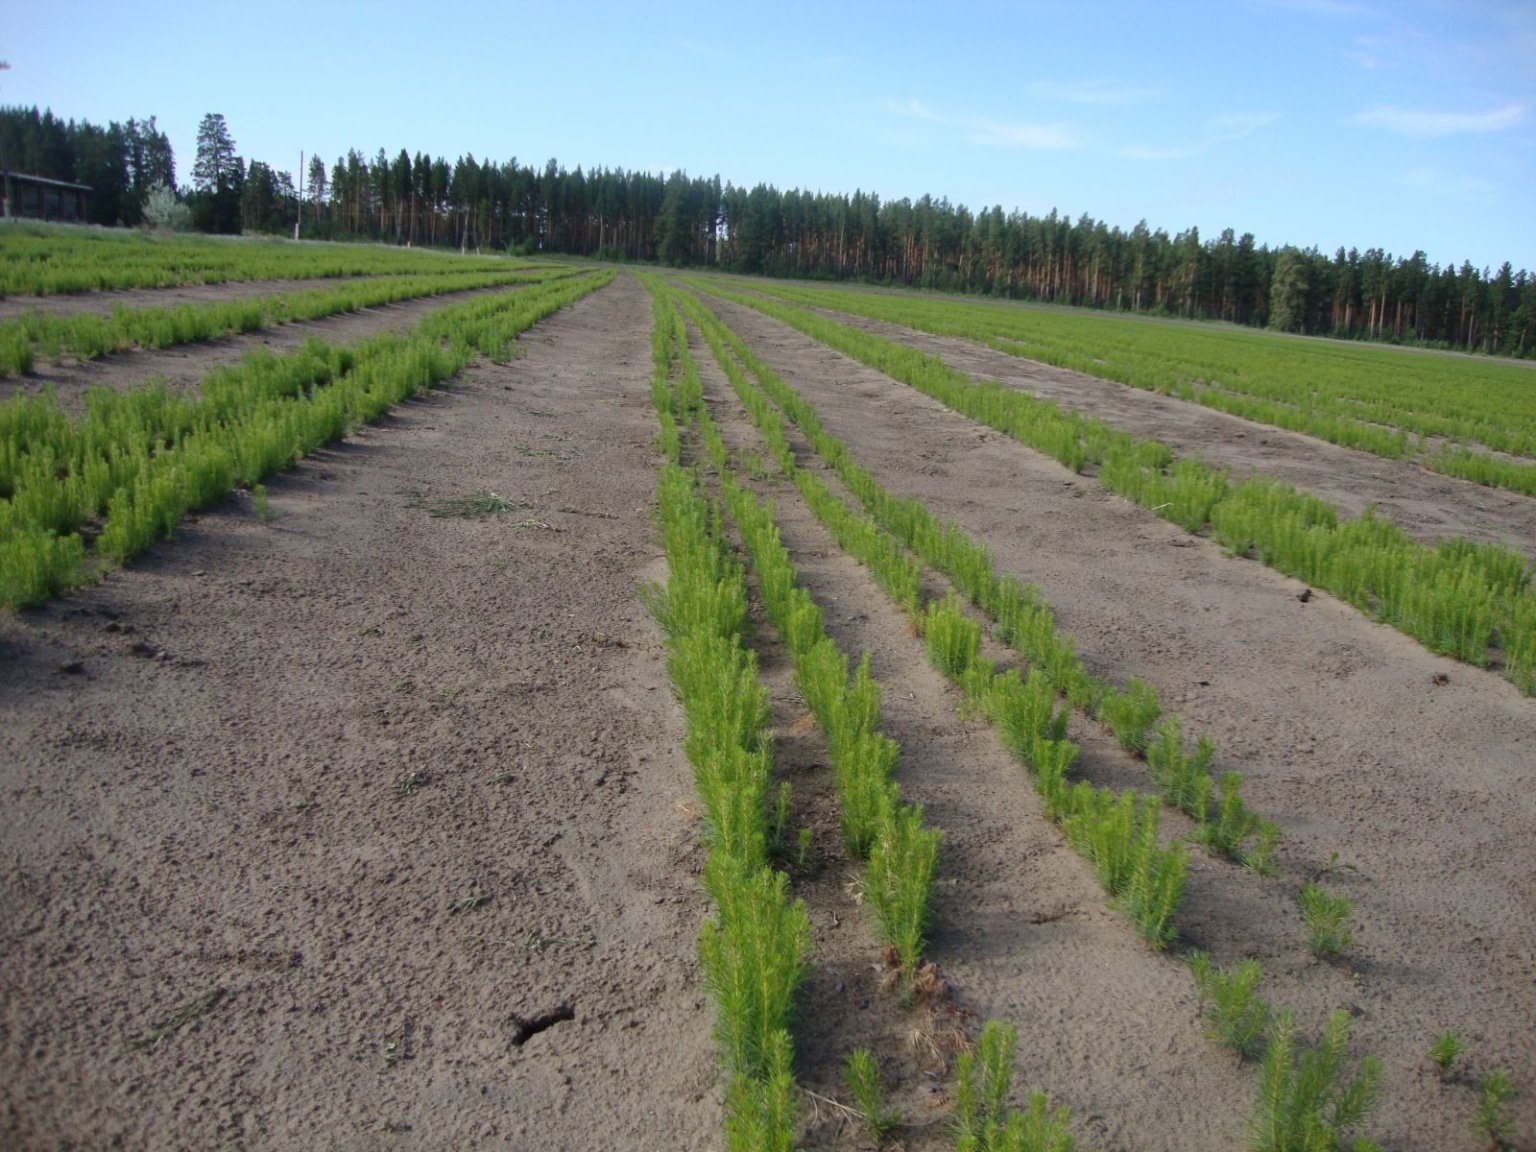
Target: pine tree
217,177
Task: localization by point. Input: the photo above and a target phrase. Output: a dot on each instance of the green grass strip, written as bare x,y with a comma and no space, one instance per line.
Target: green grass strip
47,259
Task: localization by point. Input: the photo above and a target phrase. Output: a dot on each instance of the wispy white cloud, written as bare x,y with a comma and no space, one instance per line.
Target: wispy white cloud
1408,122
1427,180
1042,136
1138,152
1095,92
1346,8
1216,131
913,109
989,133
1236,125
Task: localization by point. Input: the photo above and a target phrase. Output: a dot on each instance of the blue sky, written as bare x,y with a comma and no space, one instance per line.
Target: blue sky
1401,125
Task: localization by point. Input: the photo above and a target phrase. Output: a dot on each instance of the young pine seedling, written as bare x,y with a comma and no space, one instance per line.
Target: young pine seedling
1235,1014
1327,920
1307,1097
264,511
1491,1122
1444,1053
862,1075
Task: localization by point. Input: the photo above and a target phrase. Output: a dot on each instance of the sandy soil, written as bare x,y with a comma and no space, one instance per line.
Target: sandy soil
398,789
394,806
1338,725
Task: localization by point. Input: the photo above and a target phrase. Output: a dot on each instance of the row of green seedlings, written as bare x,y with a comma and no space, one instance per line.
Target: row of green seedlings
1023,621
1466,600
88,335
1370,400
884,833
1302,1098
40,260
139,460
754,952
900,856
1119,834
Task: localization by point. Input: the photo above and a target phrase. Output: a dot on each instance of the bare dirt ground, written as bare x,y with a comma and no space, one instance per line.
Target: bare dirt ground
393,805
1409,796
374,827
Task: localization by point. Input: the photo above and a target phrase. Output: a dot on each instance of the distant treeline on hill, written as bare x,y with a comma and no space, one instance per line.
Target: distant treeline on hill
698,221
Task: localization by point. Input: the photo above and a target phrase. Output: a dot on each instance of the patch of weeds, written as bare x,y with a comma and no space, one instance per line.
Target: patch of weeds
410,783
188,1012
470,901
475,506
536,453
1334,867
536,943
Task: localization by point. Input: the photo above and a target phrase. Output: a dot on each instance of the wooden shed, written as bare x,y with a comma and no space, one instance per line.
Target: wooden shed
39,198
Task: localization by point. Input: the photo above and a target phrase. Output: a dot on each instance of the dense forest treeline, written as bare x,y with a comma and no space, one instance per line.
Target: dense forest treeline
698,221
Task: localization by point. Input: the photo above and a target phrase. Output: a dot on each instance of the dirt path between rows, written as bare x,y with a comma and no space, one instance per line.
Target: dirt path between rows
1427,505
370,825
183,366
1410,796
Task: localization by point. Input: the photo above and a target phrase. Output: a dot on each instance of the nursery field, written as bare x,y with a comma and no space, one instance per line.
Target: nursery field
572,710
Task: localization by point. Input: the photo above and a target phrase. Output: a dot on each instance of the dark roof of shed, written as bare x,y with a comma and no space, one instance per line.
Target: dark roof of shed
46,180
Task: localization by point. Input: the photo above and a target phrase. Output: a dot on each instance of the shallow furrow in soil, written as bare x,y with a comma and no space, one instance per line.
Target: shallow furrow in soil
1409,767
1426,504
1020,929
369,823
